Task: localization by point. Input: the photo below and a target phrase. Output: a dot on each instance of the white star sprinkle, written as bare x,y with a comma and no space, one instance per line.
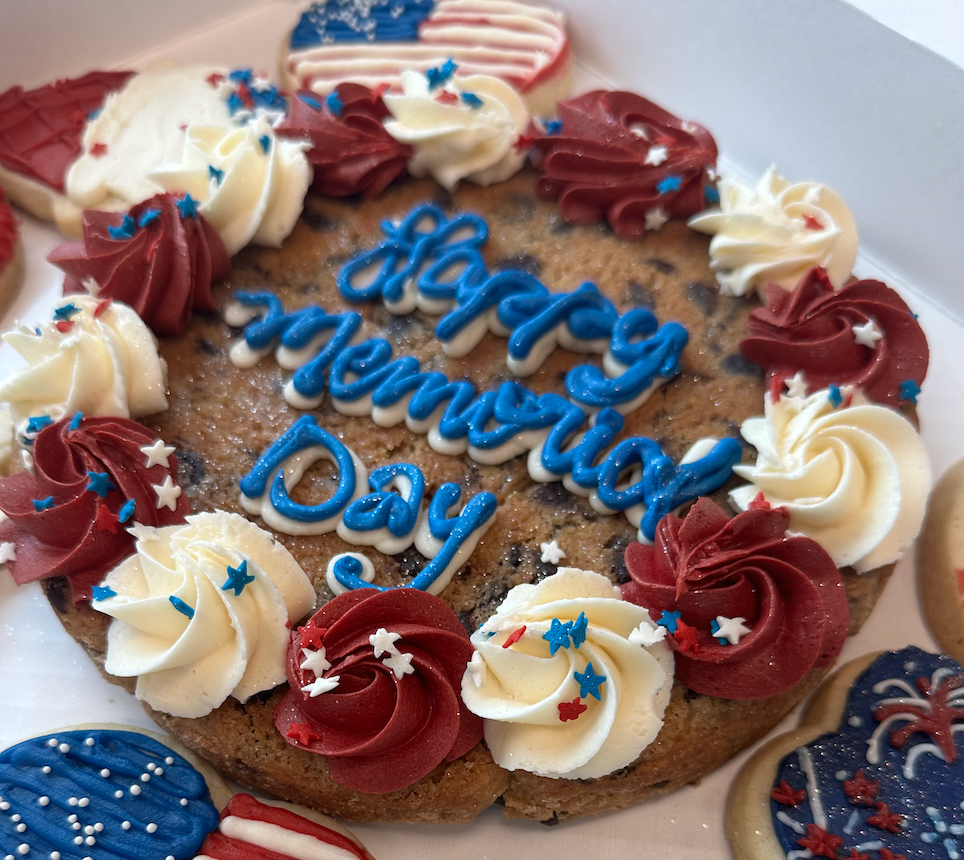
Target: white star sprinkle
142,533
639,131
656,218
476,669
91,285
384,642
731,629
867,334
551,553
647,634
167,493
656,155
796,385
315,661
321,685
157,454
400,663
8,552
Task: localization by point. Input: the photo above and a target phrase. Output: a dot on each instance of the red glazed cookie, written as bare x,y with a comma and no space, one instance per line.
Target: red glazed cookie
11,254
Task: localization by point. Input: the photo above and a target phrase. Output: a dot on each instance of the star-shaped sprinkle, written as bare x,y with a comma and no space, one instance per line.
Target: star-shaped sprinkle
860,790
552,127
142,533
578,630
557,635
797,385
187,206
400,663
656,155
656,218
867,334
215,174
301,732
669,183
66,312
885,819
315,661
148,216
312,636
126,511
711,194
335,104
440,76
728,630
551,553
167,494
759,503
91,286
472,100
571,710
238,578
102,592
157,454
75,421
98,149
265,142
125,230
181,606
106,520
8,552
909,390
44,504
834,395
686,637
64,326
313,103
476,669
669,620
100,483
514,637
102,306
589,682
446,97
786,795
38,422
383,642
215,79
647,634
321,685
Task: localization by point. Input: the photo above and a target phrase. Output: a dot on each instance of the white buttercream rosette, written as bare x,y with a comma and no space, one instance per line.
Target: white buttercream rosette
855,478
189,638
518,690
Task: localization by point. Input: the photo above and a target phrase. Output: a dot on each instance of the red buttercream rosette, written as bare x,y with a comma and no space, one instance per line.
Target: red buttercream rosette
351,152
787,590
163,270
620,157
379,731
811,329
80,534
41,129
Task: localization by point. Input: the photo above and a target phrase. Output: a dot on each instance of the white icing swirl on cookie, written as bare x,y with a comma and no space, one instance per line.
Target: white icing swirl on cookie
103,362
518,690
190,636
854,479
454,140
775,232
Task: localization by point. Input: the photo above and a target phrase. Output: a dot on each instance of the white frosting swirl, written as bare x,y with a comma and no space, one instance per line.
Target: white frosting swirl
776,232
103,364
233,644
854,479
518,690
453,140
251,185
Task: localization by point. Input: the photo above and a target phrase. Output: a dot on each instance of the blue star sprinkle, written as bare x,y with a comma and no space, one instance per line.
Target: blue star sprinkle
835,397
38,422
265,142
472,100
589,683
711,194
557,635
181,606
335,104
670,183
235,104
44,504
75,421
102,592
126,512
126,229
238,578
441,76
100,483
94,114
668,620
578,630
552,127
313,103
65,312
909,390
187,206
241,76
148,216
215,174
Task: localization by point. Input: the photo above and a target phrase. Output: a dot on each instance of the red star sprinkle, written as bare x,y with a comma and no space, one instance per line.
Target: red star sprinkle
446,98
102,306
245,95
63,326
885,819
853,855
215,79
311,637
524,141
861,790
514,637
379,91
98,149
776,385
887,854
106,520
302,732
811,222
571,710
686,637
820,843
759,503
786,795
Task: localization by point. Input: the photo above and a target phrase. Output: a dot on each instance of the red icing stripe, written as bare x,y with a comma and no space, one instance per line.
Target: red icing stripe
8,232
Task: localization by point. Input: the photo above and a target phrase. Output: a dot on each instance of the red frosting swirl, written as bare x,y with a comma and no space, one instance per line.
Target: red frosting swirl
380,732
41,129
80,535
812,329
163,270
596,165
351,152
8,232
787,591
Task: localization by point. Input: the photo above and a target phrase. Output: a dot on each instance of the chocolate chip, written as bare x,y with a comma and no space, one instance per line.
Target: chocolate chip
515,554
656,786
521,261
551,822
555,495
318,221
58,593
739,366
410,563
689,695
662,266
208,348
639,295
444,200
619,544
622,773
191,471
703,296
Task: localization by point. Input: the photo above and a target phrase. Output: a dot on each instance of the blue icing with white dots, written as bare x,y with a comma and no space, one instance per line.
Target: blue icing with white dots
103,795
360,20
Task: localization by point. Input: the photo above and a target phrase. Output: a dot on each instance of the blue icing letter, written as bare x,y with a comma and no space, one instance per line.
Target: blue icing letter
350,21
386,518
97,776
